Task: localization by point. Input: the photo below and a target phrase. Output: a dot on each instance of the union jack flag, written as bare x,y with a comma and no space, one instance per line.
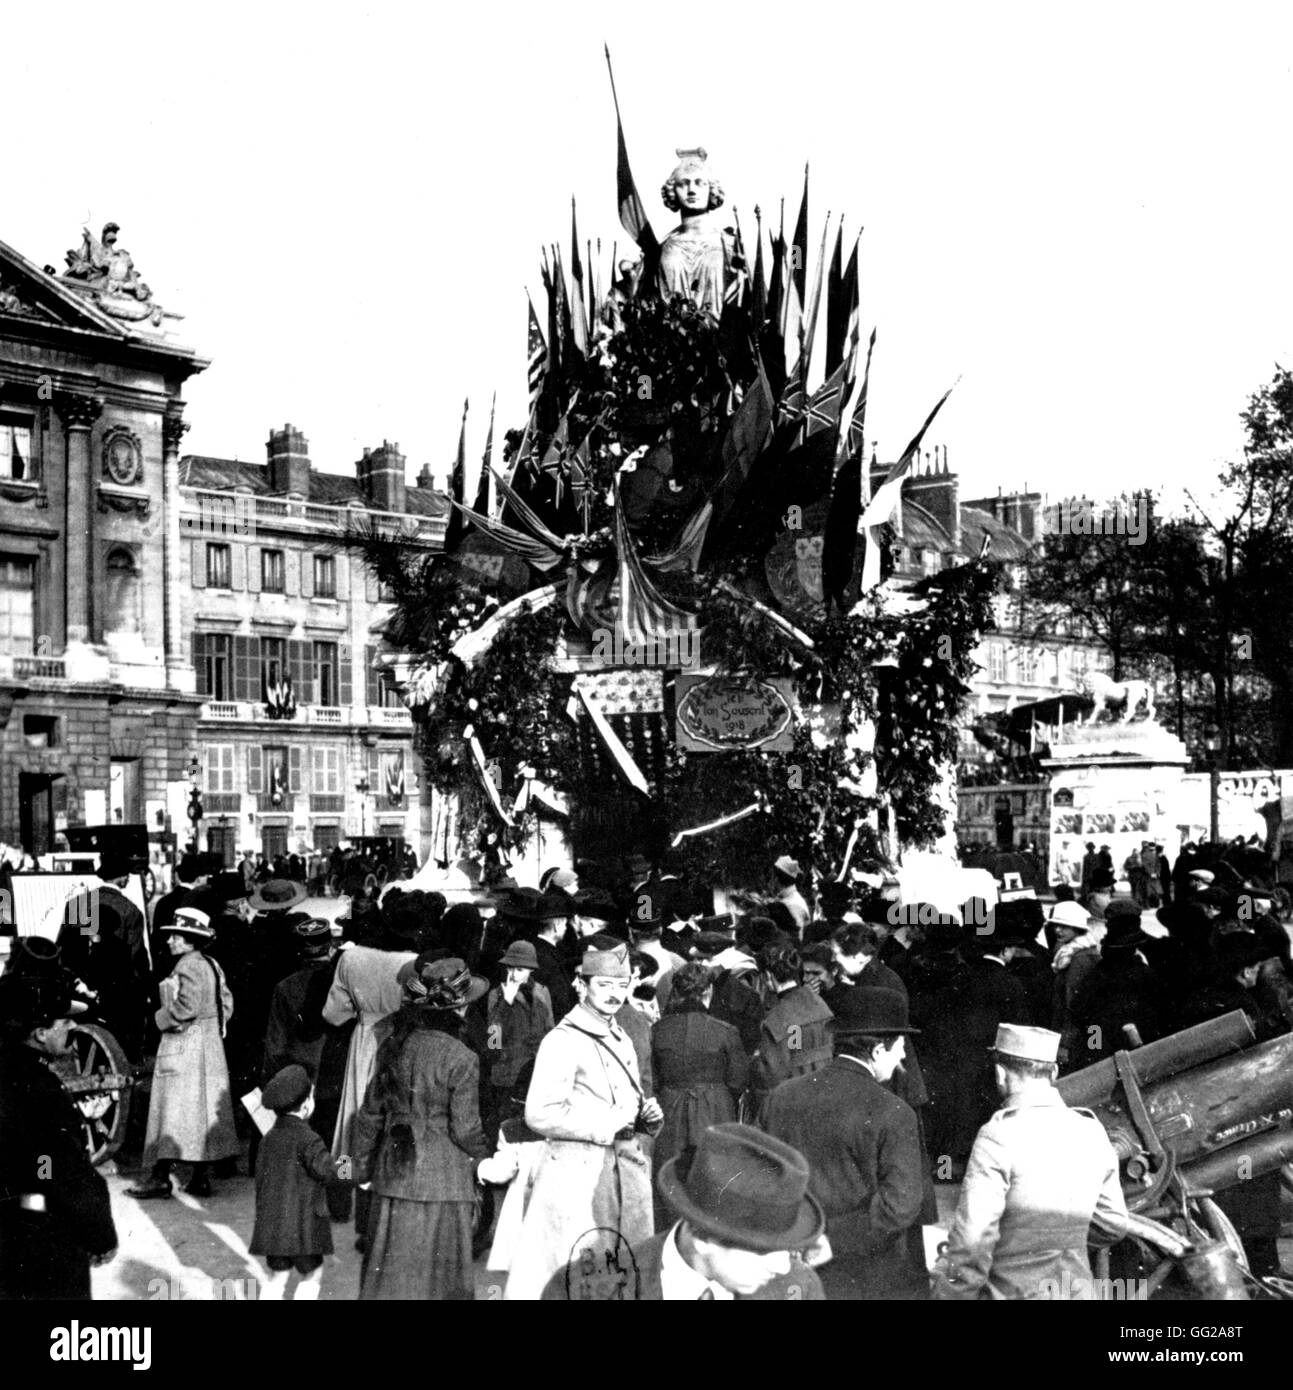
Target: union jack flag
823,411
790,408
857,425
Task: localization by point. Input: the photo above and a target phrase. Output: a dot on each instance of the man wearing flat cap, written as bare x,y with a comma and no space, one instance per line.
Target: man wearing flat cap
592,1186
863,1149
1041,1185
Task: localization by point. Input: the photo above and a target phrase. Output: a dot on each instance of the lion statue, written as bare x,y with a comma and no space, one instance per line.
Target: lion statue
1107,694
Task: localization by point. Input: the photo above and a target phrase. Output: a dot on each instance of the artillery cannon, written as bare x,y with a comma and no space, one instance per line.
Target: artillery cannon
1189,1116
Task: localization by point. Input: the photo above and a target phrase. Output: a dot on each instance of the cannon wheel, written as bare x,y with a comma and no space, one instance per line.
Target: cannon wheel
95,1052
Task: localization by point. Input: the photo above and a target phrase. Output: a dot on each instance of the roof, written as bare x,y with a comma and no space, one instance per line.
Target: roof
921,530
326,489
1007,543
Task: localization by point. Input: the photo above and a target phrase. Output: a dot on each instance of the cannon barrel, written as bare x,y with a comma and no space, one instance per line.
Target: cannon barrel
1205,1042
1226,1167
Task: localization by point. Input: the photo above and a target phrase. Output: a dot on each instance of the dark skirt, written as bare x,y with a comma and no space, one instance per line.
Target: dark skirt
418,1250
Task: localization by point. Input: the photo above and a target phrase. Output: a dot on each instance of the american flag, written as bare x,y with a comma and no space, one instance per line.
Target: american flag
537,351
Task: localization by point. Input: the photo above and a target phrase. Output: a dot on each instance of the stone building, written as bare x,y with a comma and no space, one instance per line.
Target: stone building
97,710
163,619
304,737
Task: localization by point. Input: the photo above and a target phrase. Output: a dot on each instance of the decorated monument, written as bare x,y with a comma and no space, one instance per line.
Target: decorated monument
661,621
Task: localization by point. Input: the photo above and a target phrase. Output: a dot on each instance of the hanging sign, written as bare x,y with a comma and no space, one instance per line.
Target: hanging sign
717,714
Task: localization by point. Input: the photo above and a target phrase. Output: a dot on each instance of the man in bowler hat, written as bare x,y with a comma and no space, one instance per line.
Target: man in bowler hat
863,1149
1041,1184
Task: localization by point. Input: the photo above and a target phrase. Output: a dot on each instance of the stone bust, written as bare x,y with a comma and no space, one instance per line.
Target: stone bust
697,258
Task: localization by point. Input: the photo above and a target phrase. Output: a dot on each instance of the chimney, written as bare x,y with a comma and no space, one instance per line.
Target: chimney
425,480
289,461
939,494
381,475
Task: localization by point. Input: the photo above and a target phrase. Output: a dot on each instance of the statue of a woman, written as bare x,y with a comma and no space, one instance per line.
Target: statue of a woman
697,258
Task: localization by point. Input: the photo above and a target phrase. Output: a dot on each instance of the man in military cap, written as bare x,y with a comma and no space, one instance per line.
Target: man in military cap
55,1215
592,1186
1041,1184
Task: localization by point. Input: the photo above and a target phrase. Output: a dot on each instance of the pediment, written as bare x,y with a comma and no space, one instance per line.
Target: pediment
29,295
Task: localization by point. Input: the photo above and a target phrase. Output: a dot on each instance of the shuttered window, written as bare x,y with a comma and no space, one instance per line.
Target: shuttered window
272,576
219,565
220,764
326,771
325,576
255,771
325,674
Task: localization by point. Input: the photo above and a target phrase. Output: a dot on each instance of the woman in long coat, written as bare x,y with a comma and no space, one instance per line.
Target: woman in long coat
418,1139
190,1114
699,1063
365,989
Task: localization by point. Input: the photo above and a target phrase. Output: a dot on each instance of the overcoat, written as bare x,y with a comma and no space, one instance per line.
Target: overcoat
794,1039
514,1031
863,1149
585,1091
701,1070
190,1115
364,988
292,1166
1042,1182
42,1155
417,1139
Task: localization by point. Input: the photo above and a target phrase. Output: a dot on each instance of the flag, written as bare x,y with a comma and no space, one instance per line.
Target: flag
799,259
823,409
579,294
854,435
535,552
746,438
840,535
644,613
581,480
790,408
395,777
684,553
457,489
836,310
482,503
813,303
633,217
760,288
620,755
537,355
881,506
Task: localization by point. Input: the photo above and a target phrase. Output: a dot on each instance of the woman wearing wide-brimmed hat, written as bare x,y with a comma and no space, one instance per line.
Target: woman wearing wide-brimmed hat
190,1113
418,1140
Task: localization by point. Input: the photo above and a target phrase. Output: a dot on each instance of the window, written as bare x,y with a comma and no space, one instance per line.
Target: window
1028,664
325,673
327,772
325,576
215,666
17,605
996,662
218,566
931,561
15,448
271,572
273,662
220,767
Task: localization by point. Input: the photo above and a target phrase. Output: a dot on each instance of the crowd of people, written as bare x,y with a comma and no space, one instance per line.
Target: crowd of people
594,1088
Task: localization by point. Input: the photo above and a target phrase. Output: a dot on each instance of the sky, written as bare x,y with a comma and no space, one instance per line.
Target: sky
1080,214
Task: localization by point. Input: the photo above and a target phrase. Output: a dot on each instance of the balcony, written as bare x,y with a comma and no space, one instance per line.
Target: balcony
221,709
325,714
46,668
221,804
391,717
333,803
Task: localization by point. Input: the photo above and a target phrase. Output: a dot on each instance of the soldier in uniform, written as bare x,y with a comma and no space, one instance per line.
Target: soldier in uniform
1041,1184
55,1216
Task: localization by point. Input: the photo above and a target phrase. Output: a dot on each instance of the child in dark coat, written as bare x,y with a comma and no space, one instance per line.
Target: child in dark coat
292,1230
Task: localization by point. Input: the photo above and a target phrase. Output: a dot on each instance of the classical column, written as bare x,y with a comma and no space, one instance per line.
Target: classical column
78,414
179,673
